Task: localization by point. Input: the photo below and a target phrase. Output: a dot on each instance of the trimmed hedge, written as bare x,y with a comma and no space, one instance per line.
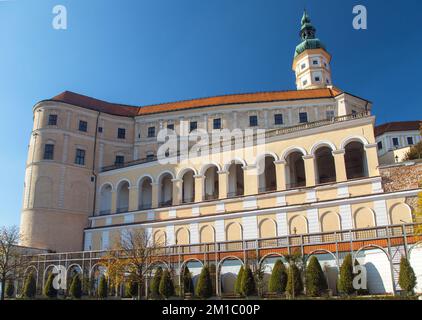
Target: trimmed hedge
238,282
102,288
407,278
345,282
315,282
30,287
166,285
248,282
187,282
204,284
49,290
294,285
76,287
155,284
278,279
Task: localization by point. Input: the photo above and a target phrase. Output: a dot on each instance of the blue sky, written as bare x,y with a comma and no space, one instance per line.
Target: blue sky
143,52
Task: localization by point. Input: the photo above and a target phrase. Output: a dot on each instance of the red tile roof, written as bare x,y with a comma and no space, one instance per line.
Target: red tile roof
131,111
397,126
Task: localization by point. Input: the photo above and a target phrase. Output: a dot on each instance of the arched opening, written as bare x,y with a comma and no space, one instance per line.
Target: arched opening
267,175
105,199
123,197
364,218
229,269
355,160
298,226
211,183
183,239
165,190
236,181
188,187
267,229
160,239
234,233
295,170
330,222
329,266
325,166
145,194
400,214
206,234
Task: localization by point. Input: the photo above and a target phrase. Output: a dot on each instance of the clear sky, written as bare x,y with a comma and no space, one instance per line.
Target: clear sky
142,52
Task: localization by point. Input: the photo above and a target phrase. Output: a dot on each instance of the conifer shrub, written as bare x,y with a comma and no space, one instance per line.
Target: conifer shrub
49,290
187,282
248,282
155,284
30,286
76,287
345,282
10,289
204,284
294,285
238,282
315,281
131,289
407,278
278,279
102,288
166,288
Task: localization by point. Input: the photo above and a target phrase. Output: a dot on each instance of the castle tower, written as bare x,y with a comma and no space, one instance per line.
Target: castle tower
311,62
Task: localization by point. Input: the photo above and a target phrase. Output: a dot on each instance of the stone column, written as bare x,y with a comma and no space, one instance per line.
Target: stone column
372,159
222,184
154,191
280,171
177,191
250,180
199,188
340,165
133,198
309,170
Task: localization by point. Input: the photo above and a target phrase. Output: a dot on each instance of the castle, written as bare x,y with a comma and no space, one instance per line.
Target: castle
94,170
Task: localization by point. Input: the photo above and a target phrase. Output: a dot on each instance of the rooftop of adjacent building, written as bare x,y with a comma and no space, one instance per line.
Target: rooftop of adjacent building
398,126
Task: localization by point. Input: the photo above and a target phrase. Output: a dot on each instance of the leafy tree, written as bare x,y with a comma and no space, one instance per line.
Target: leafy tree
238,282
49,290
294,281
187,281
131,289
278,279
204,284
76,287
102,288
415,152
315,281
155,284
30,286
248,282
10,289
407,278
166,285
345,283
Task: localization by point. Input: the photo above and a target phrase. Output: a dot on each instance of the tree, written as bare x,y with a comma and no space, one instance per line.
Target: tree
12,262
49,290
259,275
187,281
248,282
315,282
238,282
30,286
76,287
407,278
278,279
204,284
415,152
345,282
294,281
102,288
131,289
10,289
155,283
166,285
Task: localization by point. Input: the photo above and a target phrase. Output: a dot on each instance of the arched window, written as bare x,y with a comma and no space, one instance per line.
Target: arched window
355,160
295,170
211,183
236,182
145,194
165,190
188,187
105,199
325,166
123,197
267,175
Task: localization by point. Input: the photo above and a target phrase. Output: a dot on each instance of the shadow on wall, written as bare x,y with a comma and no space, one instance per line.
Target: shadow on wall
227,282
374,279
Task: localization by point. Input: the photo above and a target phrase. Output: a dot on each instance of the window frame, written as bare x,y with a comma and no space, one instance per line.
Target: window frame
80,156
305,114
255,122
83,126
121,133
48,152
151,132
216,123
50,117
278,116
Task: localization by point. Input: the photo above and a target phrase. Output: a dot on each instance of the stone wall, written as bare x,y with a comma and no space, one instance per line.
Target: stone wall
404,176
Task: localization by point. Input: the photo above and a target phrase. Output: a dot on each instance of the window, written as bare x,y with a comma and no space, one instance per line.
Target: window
303,117
49,151
151,132
305,82
121,133
395,142
52,120
330,114
170,126
379,144
80,157
83,126
100,129
193,125
317,79
278,119
216,123
410,141
150,156
303,66
253,121
120,160
315,62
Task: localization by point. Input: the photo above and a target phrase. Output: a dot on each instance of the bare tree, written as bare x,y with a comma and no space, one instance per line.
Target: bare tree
12,262
133,255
